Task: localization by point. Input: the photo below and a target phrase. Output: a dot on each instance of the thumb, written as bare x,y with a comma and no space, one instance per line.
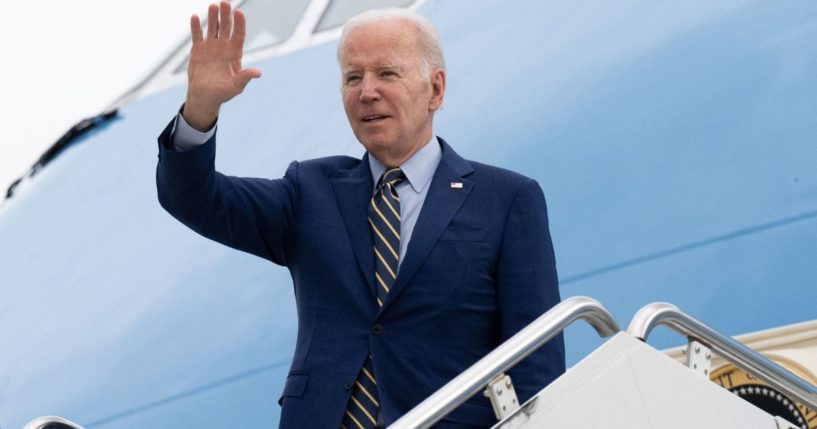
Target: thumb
246,75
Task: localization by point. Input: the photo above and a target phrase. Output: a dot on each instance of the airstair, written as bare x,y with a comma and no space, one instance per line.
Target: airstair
625,383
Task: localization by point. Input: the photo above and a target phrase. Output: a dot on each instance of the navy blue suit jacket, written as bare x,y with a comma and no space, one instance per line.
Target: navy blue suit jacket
479,267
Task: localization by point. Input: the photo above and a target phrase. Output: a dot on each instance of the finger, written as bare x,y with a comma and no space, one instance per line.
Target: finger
212,21
246,75
251,73
240,30
226,25
195,29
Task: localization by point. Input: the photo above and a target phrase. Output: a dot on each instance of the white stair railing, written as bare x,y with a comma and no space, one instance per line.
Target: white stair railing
662,313
504,357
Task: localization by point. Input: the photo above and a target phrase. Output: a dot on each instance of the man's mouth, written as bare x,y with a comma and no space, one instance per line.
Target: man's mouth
374,118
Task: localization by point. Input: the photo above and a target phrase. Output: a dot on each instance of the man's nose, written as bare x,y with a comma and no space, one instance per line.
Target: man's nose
369,89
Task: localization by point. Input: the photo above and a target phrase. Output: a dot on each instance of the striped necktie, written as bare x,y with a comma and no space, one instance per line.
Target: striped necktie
384,219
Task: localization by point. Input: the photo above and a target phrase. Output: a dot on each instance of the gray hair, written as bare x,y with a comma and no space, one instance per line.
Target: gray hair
430,47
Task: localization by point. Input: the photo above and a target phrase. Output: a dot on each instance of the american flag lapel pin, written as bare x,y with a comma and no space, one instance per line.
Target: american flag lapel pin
456,185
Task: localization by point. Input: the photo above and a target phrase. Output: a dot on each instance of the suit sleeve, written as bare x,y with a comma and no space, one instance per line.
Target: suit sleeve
248,214
528,287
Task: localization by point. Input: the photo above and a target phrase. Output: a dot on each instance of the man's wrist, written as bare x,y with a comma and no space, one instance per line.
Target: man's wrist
186,137
199,116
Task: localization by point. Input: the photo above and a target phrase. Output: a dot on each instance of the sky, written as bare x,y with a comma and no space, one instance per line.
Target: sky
65,61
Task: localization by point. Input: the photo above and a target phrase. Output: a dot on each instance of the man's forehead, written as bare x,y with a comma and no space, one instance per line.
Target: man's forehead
386,50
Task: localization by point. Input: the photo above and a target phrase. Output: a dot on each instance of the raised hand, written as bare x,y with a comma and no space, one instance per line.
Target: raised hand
214,74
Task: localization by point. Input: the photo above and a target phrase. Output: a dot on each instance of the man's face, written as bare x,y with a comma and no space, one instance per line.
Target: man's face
388,99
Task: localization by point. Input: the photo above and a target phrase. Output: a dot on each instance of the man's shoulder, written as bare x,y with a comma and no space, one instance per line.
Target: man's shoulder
482,172
500,185
498,173
329,166
336,161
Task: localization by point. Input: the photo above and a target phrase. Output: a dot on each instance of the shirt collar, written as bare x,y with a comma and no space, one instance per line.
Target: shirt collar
419,169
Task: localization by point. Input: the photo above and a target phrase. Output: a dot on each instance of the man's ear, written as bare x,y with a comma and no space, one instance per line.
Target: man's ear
437,90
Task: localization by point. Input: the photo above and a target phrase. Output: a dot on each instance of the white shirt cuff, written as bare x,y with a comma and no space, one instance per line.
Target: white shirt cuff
186,137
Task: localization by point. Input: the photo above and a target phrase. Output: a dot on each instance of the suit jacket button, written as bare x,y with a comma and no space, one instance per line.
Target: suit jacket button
348,385
377,329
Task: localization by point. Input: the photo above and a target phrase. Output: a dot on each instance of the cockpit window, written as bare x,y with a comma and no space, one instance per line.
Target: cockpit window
271,22
341,10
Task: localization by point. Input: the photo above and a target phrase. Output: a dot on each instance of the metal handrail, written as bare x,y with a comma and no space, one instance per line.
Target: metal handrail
51,422
508,354
662,313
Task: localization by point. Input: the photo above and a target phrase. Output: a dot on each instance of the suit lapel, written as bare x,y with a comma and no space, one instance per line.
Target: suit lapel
441,204
353,193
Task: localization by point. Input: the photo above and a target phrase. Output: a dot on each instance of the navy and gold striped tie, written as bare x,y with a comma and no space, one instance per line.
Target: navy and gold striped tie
384,218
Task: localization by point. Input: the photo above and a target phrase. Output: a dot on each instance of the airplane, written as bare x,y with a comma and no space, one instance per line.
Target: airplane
674,142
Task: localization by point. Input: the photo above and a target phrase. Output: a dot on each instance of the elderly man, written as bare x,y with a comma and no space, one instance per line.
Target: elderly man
409,264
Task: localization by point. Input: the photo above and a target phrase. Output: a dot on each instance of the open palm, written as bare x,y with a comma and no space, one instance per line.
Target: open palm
214,74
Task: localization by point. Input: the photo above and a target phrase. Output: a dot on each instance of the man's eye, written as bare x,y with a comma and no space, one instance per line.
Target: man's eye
352,79
388,73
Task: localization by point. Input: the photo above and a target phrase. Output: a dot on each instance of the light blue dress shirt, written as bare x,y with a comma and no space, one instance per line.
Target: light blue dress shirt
419,169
